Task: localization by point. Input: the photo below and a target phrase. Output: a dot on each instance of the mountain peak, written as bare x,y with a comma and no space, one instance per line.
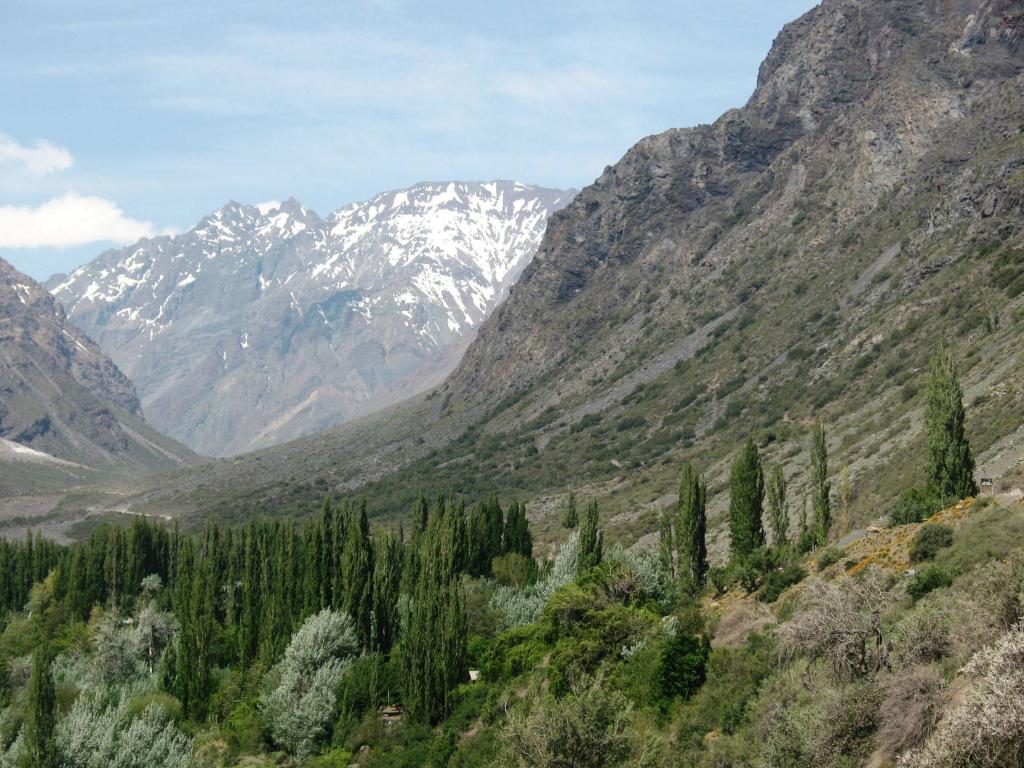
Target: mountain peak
371,305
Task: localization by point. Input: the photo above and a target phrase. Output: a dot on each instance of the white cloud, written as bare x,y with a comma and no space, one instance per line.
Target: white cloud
70,220
39,159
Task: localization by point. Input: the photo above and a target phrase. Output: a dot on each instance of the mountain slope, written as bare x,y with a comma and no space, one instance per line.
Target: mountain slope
266,323
802,256
65,409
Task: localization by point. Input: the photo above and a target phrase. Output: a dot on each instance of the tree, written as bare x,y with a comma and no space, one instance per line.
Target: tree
691,528
40,712
517,532
666,545
570,518
746,499
301,690
778,507
591,538
357,574
950,460
821,486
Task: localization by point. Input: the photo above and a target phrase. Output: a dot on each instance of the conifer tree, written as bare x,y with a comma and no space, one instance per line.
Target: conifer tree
591,538
691,528
778,507
746,499
40,717
570,517
821,486
948,453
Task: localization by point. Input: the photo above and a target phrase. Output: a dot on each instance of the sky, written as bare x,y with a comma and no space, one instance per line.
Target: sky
122,119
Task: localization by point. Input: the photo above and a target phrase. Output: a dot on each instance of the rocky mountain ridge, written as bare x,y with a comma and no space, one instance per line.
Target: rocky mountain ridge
62,400
265,323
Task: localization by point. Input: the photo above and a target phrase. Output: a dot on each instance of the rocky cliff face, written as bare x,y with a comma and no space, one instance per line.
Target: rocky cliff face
800,257
61,396
851,104
265,323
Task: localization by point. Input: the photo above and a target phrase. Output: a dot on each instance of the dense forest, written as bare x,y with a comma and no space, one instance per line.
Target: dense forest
443,642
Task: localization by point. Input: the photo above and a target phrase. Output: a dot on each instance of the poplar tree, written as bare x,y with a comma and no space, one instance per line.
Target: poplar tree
948,453
591,538
357,574
691,528
517,537
570,517
40,713
821,486
746,499
778,507
387,579
666,545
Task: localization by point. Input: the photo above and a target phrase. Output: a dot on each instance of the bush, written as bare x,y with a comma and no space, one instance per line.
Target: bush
830,556
910,709
914,506
514,570
682,665
987,729
779,581
928,579
929,540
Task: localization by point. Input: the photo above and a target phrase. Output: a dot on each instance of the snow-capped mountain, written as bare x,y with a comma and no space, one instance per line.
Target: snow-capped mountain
264,323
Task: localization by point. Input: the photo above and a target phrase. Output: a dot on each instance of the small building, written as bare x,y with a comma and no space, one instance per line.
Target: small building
987,486
391,714
474,675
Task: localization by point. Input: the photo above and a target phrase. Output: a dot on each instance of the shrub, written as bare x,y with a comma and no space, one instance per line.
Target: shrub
916,504
987,729
830,556
928,579
589,726
929,540
779,581
682,665
910,710
514,569
93,735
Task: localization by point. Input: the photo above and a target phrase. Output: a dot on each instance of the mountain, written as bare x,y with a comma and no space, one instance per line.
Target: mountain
67,413
265,323
801,257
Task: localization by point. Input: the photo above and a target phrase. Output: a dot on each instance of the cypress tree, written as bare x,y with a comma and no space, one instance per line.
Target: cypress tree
778,507
570,517
40,712
950,460
746,499
591,538
821,486
691,528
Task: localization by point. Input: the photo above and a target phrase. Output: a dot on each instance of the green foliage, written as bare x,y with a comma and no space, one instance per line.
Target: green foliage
40,716
778,509
929,540
570,517
926,580
778,581
829,556
691,528
746,498
915,505
514,569
950,462
591,538
681,665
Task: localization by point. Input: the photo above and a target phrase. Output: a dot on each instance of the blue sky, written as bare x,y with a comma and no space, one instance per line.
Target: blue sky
124,118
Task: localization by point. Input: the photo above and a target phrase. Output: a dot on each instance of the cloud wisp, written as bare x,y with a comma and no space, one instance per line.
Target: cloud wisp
40,159
68,221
